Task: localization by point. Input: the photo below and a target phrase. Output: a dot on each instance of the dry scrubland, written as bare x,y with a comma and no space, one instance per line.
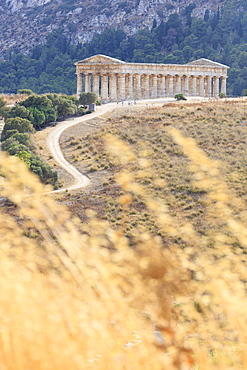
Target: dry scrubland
158,279
219,128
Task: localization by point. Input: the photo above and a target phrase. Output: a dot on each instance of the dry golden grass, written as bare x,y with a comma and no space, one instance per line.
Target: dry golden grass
171,299
11,99
219,128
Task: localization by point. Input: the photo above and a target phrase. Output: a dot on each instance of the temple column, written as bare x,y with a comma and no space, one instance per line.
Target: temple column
163,86
216,87
96,84
178,85
223,85
121,86
186,85
159,87
201,86
104,87
182,84
113,87
155,86
147,89
167,86
194,86
79,84
170,86
131,95
87,82
208,86
142,86
128,86
151,84
137,86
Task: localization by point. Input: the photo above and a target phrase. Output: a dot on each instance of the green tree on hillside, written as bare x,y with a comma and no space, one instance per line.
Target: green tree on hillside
87,98
19,111
21,125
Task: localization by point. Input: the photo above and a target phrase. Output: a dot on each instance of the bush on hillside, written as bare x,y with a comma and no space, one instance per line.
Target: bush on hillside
25,91
180,97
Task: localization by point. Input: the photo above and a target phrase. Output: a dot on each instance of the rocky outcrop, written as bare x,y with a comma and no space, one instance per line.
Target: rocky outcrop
25,23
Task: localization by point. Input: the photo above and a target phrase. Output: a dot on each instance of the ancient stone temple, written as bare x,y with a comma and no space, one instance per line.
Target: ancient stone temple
114,80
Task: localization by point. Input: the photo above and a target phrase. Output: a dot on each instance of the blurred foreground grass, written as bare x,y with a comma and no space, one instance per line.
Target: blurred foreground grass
72,299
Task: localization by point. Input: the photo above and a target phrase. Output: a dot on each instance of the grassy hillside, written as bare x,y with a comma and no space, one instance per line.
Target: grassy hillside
219,129
158,279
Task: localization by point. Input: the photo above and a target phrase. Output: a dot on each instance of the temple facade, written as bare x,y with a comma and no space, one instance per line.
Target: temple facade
114,80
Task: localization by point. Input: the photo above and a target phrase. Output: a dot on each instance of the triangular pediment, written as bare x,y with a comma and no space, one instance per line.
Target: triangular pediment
100,59
207,63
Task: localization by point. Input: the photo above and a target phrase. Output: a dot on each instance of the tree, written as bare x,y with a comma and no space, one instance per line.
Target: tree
24,156
15,148
22,138
20,124
2,106
87,98
18,111
43,170
38,116
36,101
62,105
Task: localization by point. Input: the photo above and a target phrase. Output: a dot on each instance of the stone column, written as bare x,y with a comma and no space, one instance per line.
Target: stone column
155,85
186,85
194,86
223,85
113,87
178,85
128,86
182,84
151,86
96,84
170,86
159,86
131,95
201,88
104,88
79,84
147,88
137,86
167,86
87,82
216,87
144,90
121,79
208,86
163,86
142,86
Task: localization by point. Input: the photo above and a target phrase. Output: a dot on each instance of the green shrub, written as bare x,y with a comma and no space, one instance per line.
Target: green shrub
180,97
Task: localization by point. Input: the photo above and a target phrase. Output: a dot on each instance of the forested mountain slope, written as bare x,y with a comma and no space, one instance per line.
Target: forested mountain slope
220,36
25,23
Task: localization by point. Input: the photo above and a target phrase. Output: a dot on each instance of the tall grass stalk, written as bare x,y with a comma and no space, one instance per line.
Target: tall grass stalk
73,300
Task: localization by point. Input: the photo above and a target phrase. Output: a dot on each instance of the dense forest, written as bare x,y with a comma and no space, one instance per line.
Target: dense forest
221,37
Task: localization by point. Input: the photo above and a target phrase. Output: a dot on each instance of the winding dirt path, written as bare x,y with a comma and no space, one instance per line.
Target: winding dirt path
80,180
